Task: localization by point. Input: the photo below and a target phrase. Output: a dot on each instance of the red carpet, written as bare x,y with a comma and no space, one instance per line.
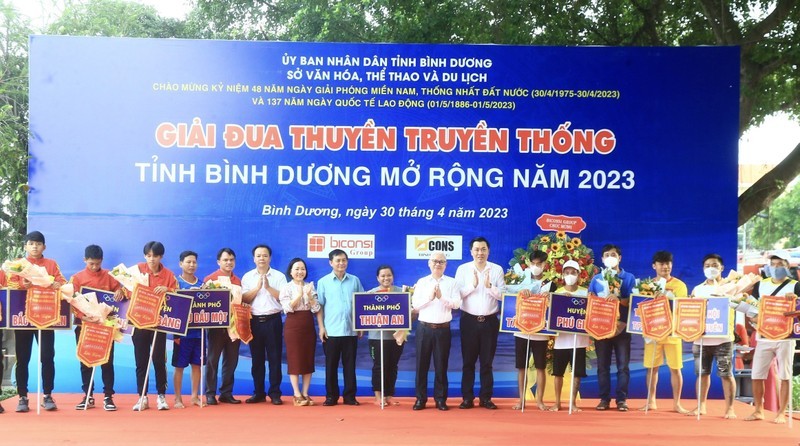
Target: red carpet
369,425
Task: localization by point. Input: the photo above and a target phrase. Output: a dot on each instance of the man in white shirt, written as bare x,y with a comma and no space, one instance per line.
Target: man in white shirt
482,287
720,349
260,288
435,296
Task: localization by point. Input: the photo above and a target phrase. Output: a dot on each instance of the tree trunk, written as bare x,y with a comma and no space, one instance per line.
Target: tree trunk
761,194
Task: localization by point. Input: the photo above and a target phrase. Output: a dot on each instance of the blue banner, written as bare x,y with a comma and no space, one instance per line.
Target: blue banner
174,315
719,318
210,308
634,320
16,313
381,311
567,313
388,151
508,313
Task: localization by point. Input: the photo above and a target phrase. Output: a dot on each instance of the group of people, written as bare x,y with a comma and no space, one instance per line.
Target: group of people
476,290
263,288
670,350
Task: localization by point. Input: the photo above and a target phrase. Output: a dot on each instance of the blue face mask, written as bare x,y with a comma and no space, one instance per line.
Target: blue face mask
778,272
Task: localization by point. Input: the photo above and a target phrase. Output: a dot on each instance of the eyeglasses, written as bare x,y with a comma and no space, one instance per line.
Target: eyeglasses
438,262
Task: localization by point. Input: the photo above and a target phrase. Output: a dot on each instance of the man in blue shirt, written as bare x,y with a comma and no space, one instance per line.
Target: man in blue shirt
339,340
620,344
186,350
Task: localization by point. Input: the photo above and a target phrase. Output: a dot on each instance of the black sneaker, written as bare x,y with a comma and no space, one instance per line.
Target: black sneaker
83,406
108,404
622,406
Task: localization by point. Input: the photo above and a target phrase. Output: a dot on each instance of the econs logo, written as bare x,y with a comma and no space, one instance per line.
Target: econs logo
357,246
422,246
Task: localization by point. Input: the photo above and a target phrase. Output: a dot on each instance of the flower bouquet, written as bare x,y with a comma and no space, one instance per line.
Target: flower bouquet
736,284
648,287
559,248
128,277
36,274
610,283
221,282
513,277
86,306
517,279
89,309
745,303
213,285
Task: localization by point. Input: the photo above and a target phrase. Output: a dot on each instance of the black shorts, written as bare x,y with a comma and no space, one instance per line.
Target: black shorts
538,348
563,357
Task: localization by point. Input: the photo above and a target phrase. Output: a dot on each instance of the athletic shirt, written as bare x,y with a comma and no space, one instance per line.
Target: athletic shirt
192,333
100,280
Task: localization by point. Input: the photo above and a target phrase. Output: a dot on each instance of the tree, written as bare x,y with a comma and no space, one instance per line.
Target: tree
95,18
13,130
115,18
780,223
766,31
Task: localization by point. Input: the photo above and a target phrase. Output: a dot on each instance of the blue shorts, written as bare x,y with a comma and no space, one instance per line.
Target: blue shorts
188,351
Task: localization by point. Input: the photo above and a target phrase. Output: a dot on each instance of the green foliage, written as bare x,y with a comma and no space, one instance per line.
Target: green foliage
8,392
780,225
795,391
115,18
93,18
13,130
765,30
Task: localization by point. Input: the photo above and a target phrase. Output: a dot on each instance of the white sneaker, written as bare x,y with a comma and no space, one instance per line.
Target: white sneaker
141,405
162,402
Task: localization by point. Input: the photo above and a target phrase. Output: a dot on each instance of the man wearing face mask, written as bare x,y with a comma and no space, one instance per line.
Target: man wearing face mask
620,344
720,349
562,349
777,284
535,343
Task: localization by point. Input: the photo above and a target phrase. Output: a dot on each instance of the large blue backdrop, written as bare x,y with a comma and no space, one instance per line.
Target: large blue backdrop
387,150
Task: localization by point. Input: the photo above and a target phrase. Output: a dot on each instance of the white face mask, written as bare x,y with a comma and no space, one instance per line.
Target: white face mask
570,280
536,270
610,262
711,273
